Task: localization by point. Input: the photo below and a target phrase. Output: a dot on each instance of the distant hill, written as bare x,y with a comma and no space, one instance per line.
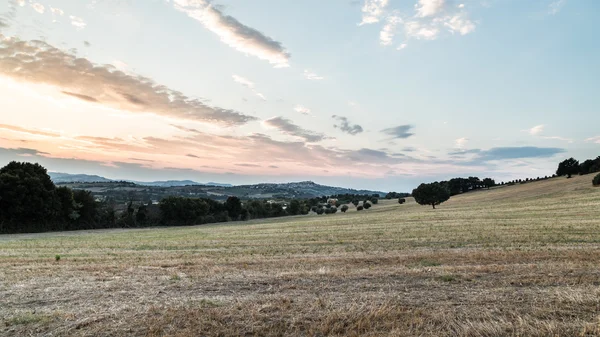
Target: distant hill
157,190
66,178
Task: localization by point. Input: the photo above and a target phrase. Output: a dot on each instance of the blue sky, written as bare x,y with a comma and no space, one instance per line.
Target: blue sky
380,94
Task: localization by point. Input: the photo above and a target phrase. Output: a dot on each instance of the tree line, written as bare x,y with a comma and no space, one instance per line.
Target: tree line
31,202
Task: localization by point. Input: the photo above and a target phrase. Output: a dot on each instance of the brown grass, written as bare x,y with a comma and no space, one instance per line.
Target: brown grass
513,261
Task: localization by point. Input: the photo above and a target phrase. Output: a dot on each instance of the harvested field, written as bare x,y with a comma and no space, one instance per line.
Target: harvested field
512,261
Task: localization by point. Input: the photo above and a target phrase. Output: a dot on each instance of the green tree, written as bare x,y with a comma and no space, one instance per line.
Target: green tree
596,180
233,205
430,194
294,208
488,182
568,167
344,208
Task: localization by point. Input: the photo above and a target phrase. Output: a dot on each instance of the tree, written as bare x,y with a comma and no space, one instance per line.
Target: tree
430,194
294,208
359,208
344,208
488,182
366,205
596,180
568,167
28,199
355,203
233,205
401,201
374,201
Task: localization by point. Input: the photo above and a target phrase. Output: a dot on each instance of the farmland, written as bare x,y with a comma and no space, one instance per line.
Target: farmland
515,260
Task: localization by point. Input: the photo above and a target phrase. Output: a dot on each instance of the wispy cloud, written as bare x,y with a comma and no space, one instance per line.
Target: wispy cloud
38,7
594,139
34,132
302,109
78,23
556,6
372,11
235,34
286,126
461,142
401,131
309,75
386,35
248,84
57,11
40,62
536,130
346,126
425,8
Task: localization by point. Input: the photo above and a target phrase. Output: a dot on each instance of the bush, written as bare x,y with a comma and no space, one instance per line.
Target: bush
374,201
596,180
344,208
359,208
367,205
333,210
401,201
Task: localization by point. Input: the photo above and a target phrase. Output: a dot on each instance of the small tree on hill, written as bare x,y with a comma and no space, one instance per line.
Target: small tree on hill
488,182
344,208
367,205
359,208
430,194
568,167
596,180
401,201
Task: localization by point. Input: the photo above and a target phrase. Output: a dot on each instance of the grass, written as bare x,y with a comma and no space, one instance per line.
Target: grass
513,261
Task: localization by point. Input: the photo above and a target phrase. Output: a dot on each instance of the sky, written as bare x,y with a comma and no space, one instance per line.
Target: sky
374,94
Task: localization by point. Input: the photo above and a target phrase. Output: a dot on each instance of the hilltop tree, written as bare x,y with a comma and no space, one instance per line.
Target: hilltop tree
488,182
430,194
568,167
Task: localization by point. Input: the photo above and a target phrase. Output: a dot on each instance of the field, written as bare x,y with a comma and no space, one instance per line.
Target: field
515,261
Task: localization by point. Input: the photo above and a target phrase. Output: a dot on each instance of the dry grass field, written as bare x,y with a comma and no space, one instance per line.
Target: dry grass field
513,261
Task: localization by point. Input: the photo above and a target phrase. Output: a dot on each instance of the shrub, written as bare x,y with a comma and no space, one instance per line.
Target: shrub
374,201
401,201
367,205
359,208
596,180
333,210
57,257
320,211
344,208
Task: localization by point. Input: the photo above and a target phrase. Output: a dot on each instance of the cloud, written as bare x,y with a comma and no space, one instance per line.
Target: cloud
81,97
273,166
418,30
39,62
38,7
386,35
536,130
556,6
461,142
408,149
77,22
425,8
458,23
346,127
247,165
248,84
57,11
235,34
87,44
21,3
505,153
594,139
372,10
3,24
401,131
402,46
558,138
500,153
19,129
286,126
23,151
309,75
191,156
302,109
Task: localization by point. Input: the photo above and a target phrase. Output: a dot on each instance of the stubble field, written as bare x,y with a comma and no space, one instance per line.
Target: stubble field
517,261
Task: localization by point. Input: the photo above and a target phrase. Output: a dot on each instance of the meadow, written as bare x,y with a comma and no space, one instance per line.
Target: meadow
518,260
